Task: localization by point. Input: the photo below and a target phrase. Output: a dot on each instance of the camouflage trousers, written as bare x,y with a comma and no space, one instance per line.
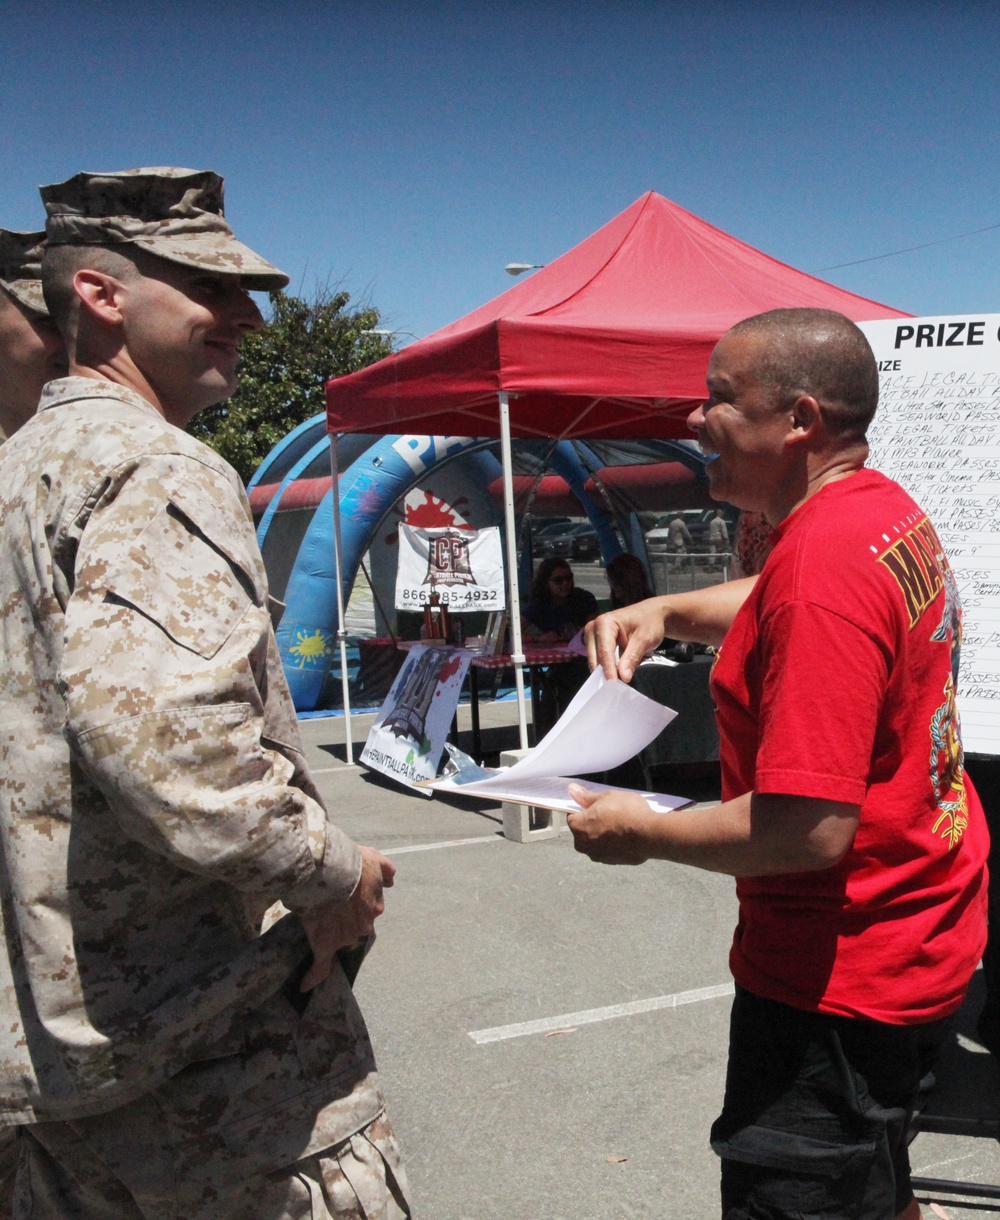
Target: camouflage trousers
60,1177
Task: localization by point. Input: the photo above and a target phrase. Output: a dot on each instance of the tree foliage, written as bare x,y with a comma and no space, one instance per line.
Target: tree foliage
283,369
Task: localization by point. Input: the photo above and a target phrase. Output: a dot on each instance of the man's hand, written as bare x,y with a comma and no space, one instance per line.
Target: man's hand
701,617
610,829
338,925
635,629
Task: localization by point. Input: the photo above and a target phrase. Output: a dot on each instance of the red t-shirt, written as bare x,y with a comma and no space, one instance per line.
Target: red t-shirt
836,681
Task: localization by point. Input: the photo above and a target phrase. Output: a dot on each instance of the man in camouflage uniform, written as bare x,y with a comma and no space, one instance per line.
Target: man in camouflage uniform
31,352
162,1057
31,349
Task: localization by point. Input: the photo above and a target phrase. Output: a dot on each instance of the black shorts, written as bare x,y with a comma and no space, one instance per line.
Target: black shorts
817,1112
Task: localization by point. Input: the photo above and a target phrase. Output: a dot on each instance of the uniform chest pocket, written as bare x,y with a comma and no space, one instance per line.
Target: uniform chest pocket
195,589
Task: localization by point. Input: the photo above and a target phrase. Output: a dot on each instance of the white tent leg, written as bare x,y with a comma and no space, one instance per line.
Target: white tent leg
338,551
514,600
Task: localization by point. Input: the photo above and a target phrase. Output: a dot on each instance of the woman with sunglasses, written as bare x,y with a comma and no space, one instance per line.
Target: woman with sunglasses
557,609
556,612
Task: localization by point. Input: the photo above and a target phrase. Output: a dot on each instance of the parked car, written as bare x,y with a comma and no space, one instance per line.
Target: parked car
574,542
549,526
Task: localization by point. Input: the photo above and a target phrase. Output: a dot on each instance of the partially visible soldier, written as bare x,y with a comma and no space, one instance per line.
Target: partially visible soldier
165,1055
31,349
31,353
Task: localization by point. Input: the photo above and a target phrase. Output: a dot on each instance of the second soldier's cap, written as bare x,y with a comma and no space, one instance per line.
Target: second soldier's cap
21,268
176,214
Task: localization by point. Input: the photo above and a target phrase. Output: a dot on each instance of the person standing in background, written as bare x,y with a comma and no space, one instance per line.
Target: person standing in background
678,540
718,540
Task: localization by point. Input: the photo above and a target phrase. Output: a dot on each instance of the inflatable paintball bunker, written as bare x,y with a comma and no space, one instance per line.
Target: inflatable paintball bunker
383,481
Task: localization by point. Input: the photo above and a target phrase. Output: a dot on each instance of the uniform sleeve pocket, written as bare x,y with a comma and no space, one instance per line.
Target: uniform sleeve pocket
177,575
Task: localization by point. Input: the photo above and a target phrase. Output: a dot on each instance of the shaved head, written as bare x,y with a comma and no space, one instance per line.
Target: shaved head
822,354
61,263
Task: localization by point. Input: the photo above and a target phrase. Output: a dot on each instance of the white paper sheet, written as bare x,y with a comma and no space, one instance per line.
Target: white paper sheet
605,725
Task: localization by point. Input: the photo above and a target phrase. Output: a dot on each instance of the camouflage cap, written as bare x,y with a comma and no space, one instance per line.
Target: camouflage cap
176,214
21,268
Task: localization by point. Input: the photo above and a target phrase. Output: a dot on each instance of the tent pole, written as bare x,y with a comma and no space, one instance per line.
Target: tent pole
341,625
514,601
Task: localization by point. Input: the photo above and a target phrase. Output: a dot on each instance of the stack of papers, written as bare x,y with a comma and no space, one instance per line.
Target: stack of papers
605,725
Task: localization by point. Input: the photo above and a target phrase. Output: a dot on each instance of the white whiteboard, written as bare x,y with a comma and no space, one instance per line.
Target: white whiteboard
937,432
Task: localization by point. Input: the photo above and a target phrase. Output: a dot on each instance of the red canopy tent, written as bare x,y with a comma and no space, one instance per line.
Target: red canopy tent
610,340
643,484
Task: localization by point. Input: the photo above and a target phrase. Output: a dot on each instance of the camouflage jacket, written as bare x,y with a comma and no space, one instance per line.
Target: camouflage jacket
154,801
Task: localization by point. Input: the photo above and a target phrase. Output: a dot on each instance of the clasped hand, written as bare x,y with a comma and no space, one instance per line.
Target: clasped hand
610,827
338,925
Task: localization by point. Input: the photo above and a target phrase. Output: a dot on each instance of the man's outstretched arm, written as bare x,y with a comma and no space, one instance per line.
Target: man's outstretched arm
702,616
755,835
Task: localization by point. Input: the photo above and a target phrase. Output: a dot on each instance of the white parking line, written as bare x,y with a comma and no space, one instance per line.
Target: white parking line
590,1016
398,851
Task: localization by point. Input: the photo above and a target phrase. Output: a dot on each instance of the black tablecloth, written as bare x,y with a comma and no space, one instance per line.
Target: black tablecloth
692,736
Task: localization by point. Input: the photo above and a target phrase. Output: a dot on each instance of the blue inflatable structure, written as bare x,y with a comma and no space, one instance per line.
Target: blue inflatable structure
292,497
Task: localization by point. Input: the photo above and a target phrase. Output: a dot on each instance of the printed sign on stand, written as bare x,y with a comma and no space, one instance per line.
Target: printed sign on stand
407,740
937,432
464,567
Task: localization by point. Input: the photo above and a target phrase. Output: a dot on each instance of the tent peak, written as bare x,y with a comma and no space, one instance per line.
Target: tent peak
625,319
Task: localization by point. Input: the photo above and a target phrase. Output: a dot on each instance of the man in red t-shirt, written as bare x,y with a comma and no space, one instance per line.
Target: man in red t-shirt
857,841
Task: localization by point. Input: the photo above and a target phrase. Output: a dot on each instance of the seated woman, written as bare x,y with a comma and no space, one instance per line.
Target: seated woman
554,614
628,580
630,584
557,609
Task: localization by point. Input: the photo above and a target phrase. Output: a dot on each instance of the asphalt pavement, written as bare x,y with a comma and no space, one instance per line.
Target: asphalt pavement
552,1033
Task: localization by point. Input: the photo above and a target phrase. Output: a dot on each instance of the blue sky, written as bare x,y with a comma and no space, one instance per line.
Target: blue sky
409,150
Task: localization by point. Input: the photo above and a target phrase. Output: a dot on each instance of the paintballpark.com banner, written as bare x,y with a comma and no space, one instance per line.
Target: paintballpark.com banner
407,740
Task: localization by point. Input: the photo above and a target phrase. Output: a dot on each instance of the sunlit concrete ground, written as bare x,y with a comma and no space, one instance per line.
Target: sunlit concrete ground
581,1121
